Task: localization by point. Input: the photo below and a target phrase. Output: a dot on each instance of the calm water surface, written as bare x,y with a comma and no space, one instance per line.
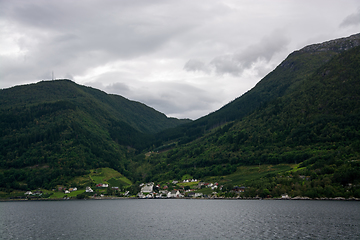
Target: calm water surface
180,219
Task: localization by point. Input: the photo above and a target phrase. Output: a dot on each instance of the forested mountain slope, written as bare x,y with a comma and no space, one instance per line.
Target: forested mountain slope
305,111
136,114
298,66
53,130
316,124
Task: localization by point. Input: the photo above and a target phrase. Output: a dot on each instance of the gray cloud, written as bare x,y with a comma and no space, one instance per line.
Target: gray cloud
68,76
169,97
351,20
119,88
196,65
227,64
183,58
241,60
264,50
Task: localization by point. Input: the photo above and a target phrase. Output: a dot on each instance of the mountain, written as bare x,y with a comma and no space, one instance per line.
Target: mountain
58,128
285,78
305,113
314,124
139,116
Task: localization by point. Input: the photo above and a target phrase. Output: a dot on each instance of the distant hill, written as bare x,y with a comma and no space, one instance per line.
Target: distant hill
59,128
139,116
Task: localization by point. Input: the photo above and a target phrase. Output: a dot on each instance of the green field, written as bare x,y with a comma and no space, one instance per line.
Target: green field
244,174
190,184
110,176
100,175
59,195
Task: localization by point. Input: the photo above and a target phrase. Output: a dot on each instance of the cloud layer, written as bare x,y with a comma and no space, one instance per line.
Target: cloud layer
183,58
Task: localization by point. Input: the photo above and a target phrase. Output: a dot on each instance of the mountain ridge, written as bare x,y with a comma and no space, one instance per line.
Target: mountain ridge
336,45
64,89
284,78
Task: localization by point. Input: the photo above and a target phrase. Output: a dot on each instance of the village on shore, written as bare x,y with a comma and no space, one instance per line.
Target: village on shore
175,189
189,189
151,190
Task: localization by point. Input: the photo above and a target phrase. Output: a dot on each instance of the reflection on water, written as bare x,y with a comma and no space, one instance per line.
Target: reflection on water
180,219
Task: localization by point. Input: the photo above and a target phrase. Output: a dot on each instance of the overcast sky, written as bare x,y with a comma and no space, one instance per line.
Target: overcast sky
184,58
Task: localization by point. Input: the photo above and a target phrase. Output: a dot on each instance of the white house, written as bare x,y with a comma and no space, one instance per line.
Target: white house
285,196
88,189
163,193
198,194
174,194
142,195
147,188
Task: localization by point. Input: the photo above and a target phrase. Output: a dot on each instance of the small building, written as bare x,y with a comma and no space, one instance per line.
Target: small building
88,189
147,188
163,193
239,189
285,196
103,185
174,194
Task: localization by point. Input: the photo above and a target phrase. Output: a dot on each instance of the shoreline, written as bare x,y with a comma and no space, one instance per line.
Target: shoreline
187,198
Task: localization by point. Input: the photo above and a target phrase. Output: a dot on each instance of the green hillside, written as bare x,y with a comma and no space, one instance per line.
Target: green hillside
139,116
298,66
52,131
317,125
297,132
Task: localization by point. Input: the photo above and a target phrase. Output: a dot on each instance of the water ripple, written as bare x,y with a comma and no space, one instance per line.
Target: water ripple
180,219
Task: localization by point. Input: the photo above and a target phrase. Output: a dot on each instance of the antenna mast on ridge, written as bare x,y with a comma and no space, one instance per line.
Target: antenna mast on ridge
52,74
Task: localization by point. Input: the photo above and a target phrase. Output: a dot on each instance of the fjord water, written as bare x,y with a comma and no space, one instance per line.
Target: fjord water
180,219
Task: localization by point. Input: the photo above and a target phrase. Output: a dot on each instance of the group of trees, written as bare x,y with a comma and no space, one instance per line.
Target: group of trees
28,179
328,181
